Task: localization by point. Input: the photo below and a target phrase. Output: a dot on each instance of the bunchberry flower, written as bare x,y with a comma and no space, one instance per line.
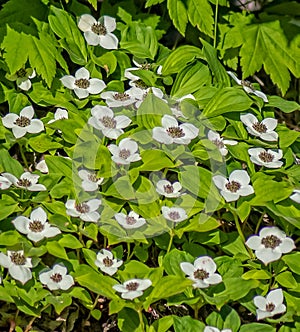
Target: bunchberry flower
202,272
295,196
263,129
103,119
175,108
267,158
270,305
42,166
82,84
171,132
117,99
86,211
270,244
22,78
90,182
99,32
17,264
4,182
130,221
128,72
140,93
56,278
133,288
174,214
215,329
125,153
60,114
27,181
36,227
23,123
237,185
219,142
107,263
248,87
168,189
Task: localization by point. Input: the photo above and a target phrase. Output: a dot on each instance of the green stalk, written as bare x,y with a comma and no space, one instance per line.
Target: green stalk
216,23
171,240
139,310
23,155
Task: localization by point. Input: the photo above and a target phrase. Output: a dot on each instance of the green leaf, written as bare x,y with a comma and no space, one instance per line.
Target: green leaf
59,302
150,3
172,260
187,324
56,249
128,325
59,165
286,279
155,160
286,210
9,164
257,274
284,105
7,206
257,327
43,143
201,15
10,237
178,14
292,261
70,241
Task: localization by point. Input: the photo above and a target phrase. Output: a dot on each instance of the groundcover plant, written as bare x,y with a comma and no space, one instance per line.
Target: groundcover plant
149,165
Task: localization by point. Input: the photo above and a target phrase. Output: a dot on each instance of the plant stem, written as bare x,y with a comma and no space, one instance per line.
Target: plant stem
23,155
216,23
141,319
171,240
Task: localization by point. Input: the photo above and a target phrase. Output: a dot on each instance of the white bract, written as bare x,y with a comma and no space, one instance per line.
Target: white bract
219,142
168,189
27,181
171,132
60,114
270,305
86,211
99,32
270,244
82,84
215,329
4,182
263,129
237,185
125,153
42,166
296,196
117,99
56,278
107,263
175,108
174,214
90,182
22,78
103,119
267,158
202,272
130,221
17,264
247,86
36,227
128,72
23,123
132,288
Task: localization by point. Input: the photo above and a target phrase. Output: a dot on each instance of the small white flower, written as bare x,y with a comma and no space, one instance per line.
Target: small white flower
56,278
263,129
215,329
23,123
86,211
296,196
17,264
171,132
82,84
60,114
90,182
22,77
36,228
42,166
202,272
176,106
128,72
237,185
219,142
132,288
4,182
267,158
141,93
125,153
117,99
130,221
103,119
174,214
270,244
247,86
99,32
167,189
27,181
270,305
107,263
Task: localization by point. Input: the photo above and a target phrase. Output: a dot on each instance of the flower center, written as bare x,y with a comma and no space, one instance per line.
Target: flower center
174,215
270,307
109,122
271,241
122,96
82,207
145,66
140,84
168,189
82,83
175,132
107,261
247,84
233,186
24,183
266,157
21,73
36,226
99,29
260,127
124,153
219,143
92,177
56,277
22,121
201,274
130,220
17,258
132,286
